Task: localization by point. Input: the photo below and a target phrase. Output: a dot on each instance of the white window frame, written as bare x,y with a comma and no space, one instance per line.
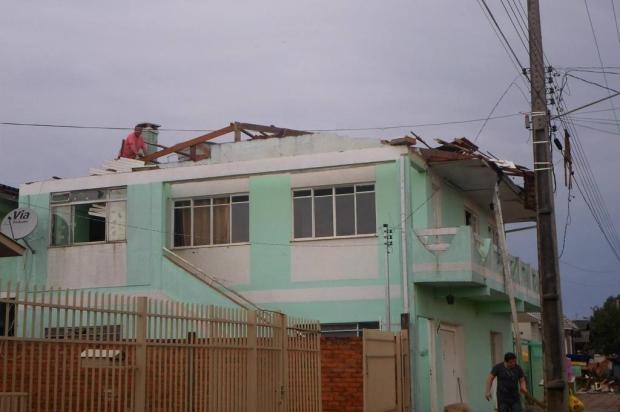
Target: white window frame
192,208
107,199
334,216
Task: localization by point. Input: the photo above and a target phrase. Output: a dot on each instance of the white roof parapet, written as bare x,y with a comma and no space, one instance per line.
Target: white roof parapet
120,165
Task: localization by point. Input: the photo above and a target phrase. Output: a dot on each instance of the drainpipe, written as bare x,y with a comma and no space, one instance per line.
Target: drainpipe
403,235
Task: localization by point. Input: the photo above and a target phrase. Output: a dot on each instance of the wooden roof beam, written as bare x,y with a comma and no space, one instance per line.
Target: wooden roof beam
189,143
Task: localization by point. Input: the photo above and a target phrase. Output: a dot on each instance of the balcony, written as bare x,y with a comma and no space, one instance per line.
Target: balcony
471,267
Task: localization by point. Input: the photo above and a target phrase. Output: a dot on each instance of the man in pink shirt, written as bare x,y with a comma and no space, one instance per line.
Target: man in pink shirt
133,146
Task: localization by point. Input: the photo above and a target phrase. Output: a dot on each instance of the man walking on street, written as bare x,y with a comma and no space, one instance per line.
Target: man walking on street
510,381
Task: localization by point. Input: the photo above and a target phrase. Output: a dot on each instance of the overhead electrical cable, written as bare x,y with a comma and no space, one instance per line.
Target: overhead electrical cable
600,58
388,127
613,8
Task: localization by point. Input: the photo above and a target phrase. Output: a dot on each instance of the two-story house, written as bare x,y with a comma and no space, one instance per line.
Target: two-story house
353,232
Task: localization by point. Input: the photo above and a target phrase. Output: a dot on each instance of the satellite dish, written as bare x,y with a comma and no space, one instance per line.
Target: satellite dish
19,223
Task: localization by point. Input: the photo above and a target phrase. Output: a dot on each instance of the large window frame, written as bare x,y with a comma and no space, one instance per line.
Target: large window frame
321,212
88,216
210,220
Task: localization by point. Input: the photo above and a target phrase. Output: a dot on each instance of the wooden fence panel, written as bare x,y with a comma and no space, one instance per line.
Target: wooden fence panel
84,351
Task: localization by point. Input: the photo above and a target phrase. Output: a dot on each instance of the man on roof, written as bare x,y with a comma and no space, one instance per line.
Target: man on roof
133,146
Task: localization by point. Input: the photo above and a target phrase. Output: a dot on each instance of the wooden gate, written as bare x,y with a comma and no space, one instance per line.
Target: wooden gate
386,371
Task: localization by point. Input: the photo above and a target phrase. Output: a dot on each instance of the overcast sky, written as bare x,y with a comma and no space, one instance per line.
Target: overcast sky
312,65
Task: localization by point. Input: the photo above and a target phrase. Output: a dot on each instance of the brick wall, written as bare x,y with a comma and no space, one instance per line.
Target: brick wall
342,374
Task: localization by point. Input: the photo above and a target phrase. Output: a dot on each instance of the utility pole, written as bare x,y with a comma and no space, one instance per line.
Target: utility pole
556,394
387,236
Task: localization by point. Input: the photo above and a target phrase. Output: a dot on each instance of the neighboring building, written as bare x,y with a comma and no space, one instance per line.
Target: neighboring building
8,202
582,335
296,223
8,199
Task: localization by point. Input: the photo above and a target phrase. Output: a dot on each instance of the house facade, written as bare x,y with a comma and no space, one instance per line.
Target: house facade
352,232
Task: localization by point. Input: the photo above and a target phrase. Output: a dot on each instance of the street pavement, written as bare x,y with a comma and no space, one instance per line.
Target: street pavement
600,402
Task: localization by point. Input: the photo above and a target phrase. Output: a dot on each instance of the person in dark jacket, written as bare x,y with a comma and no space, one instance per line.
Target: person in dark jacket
510,381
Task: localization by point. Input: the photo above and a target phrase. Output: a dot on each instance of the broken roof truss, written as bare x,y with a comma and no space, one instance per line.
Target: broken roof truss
196,150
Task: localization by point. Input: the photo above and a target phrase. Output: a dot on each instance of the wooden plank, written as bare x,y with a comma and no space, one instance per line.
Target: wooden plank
277,131
184,145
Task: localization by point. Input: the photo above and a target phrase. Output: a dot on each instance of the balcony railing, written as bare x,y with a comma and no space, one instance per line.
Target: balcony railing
457,256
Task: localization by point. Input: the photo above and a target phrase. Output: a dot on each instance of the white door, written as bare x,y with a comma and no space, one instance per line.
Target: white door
449,366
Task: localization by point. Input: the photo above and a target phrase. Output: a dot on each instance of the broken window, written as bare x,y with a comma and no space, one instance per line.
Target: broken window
341,330
87,216
211,221
334,211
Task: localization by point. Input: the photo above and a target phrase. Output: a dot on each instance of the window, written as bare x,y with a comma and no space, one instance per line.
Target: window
86,216
341,330
7,318
211,221
471,219
334,211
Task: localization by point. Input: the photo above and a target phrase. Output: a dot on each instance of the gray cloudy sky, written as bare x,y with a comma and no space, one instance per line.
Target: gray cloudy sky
309,65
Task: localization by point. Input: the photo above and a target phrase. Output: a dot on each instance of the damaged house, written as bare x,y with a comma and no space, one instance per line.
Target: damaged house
358,233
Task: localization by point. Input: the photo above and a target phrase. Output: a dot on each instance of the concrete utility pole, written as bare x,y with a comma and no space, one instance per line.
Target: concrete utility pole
556,393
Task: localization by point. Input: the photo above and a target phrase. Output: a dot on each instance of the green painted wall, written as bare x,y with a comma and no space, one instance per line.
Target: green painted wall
477,323
145,233
387,193
32,267
270,231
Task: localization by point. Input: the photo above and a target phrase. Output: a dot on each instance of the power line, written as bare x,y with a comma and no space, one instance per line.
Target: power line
388,127
600,58
613,272
613,8
501,37
512,83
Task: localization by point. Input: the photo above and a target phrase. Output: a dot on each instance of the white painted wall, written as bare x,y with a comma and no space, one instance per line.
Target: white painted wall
230,264
87,266
334,259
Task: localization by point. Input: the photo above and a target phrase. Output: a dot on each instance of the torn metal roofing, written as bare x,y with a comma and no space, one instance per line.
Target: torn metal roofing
461,163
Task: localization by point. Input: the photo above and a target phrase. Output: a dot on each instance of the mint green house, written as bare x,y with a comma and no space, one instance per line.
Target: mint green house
352,232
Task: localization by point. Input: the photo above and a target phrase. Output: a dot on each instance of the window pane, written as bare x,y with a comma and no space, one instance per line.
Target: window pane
89,222
365,188
221,200
118,193
240,198
117,221
323,216
366,219
182,203
86,195
323,192
344,190
345,216
182,228
61,197
302,193
202,226
61,219
201,202
221,224
240,222
302,225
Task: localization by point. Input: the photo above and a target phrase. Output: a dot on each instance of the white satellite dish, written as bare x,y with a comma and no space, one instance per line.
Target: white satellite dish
19,223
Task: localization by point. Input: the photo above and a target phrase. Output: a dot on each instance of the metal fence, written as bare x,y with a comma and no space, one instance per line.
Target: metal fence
85,351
